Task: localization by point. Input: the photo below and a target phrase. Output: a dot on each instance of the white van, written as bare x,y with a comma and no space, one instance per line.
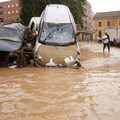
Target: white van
34,24
56,44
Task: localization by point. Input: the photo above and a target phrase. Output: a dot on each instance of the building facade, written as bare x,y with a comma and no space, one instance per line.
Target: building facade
9,11
106,21
87,30
88,19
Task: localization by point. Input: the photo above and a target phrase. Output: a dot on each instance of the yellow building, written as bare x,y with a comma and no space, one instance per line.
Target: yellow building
105,20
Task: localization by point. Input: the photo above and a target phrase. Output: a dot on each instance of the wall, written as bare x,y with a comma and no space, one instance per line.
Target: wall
113,29
10,10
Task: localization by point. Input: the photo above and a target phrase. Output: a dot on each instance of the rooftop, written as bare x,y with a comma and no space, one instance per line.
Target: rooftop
111,14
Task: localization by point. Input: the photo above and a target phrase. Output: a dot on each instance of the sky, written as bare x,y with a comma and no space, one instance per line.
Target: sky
102,5
105,5
3,0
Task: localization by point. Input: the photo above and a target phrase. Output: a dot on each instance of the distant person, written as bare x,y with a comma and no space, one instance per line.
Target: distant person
106,42
88,38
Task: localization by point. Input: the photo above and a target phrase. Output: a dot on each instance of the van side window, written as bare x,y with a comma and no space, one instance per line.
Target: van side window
32,26
36,28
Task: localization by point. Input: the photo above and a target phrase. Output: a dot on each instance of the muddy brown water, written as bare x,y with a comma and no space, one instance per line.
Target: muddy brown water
92,93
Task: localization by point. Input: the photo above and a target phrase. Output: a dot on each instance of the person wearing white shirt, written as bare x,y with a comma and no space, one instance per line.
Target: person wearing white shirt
106,42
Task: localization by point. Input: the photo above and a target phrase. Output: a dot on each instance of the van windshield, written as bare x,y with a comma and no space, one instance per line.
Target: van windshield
57,34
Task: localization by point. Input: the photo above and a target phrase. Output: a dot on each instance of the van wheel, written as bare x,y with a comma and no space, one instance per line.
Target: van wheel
36,64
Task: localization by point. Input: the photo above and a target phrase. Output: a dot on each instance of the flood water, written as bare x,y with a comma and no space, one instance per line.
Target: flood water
88,93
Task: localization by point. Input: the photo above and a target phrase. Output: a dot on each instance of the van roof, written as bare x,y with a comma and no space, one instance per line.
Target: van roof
36,19
57,13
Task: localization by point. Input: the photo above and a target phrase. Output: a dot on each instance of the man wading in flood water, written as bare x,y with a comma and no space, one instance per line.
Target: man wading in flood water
106,42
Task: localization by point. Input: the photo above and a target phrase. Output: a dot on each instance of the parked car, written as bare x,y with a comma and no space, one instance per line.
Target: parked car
117,40
56,43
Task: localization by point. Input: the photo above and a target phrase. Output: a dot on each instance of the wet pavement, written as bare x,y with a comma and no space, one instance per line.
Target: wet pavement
88,93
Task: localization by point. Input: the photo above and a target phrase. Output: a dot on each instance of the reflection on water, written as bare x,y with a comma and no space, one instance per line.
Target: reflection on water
92,93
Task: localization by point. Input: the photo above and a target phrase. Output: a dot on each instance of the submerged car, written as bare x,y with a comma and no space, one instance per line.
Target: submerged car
10,37
56,43
11,43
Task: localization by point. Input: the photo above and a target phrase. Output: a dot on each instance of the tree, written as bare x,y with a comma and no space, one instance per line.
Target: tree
32,8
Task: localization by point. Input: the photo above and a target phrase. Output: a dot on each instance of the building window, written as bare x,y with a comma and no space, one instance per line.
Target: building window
99,24
100,34
16,11
0,7
119,22
8,6
108,23
8,12
1,19
1,13
13,11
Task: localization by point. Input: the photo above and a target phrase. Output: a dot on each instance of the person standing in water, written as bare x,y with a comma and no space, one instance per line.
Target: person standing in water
106,42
